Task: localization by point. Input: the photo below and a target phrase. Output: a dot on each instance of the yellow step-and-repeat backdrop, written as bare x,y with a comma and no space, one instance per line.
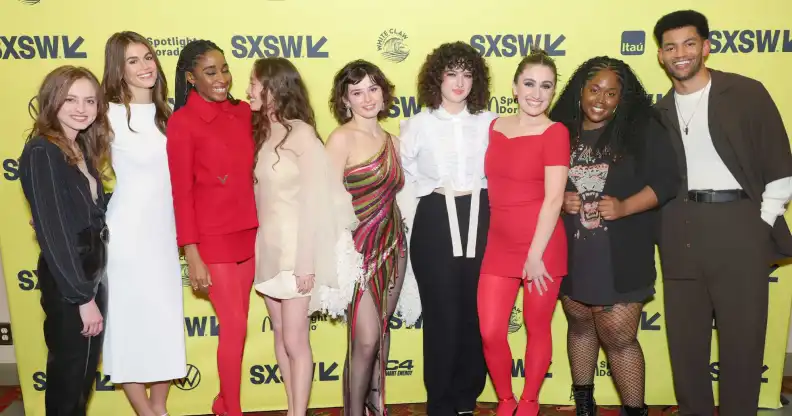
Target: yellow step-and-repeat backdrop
320,37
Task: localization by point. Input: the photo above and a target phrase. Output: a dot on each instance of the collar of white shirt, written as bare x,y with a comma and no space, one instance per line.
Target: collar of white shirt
443,114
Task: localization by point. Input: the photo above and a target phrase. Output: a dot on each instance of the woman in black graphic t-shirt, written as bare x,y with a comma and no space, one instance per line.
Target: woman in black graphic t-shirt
622,167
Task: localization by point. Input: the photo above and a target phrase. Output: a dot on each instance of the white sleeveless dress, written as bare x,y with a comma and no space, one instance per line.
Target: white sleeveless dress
144,339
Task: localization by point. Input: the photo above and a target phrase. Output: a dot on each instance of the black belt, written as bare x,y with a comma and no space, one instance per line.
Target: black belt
710,196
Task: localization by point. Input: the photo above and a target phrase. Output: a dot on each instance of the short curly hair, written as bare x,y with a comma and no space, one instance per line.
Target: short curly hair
456,55
351,74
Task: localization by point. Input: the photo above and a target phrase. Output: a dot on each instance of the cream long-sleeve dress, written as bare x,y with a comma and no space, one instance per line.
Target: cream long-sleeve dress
305,222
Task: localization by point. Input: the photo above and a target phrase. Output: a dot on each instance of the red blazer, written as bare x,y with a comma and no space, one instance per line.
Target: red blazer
210,157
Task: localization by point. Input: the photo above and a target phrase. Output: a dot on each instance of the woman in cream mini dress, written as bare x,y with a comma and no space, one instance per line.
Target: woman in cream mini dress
305,256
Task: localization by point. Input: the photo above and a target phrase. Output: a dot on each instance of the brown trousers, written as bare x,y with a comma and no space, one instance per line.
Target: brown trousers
726,278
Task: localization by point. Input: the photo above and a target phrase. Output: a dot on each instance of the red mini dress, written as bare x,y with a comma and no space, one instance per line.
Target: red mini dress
515,170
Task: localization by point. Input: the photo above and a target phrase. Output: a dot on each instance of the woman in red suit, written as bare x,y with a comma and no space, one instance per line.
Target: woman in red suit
210,156
526,166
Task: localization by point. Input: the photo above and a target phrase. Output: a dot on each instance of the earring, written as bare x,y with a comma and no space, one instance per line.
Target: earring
348,112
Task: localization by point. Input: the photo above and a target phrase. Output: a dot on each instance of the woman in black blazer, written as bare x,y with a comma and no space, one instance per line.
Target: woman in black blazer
60,174
622,168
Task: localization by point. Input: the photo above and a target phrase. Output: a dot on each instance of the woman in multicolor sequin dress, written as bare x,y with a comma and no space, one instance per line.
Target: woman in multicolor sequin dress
365,157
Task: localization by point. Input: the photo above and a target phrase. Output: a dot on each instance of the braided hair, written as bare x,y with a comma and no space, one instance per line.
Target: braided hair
624,131
188,59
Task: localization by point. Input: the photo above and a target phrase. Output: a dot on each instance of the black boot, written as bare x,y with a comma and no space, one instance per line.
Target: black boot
635,411
584,400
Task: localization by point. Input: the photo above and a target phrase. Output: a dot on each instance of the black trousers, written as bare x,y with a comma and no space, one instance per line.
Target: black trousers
72,358
454,367
729,245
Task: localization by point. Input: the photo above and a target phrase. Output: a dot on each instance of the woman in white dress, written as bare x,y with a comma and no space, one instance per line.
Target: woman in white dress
306,260
144,343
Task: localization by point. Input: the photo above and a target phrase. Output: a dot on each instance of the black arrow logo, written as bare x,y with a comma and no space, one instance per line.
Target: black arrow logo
648,324
326,374
314,48
70,49
103,383
552,48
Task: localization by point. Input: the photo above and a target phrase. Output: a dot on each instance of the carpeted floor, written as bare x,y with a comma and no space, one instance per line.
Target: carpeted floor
484,409
8,395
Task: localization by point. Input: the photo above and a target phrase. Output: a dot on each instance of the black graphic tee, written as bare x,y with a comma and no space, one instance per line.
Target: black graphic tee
591,278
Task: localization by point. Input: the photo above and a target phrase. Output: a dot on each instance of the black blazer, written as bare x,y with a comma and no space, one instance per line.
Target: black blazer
633,238
66,219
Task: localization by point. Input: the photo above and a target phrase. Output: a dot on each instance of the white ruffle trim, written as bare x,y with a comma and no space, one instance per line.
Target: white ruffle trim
409,304
334,301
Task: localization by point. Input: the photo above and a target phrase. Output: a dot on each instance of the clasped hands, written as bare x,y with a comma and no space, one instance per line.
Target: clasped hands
609,208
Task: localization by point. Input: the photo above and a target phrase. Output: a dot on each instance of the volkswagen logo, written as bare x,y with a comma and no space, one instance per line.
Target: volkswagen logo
191,380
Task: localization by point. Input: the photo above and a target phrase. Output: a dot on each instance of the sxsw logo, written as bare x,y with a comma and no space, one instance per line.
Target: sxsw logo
517,44
41,47
11,169
101,382
291,46
404,106
633,42
715,372
650,323
270,373
518,369
201,326
750,40
28,280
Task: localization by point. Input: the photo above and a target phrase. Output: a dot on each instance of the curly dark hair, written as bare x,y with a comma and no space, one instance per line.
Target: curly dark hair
456,55
625,130
678,19
351,74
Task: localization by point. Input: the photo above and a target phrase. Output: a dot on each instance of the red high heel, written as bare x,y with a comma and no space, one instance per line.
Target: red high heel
506,407
218,406
527,408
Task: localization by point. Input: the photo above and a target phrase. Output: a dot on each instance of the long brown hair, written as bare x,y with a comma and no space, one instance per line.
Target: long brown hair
94,140
281,79
116,89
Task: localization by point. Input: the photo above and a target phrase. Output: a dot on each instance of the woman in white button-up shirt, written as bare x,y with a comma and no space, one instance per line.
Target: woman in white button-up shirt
442,151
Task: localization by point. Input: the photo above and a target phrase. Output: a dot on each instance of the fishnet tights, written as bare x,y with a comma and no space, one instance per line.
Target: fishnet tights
616,328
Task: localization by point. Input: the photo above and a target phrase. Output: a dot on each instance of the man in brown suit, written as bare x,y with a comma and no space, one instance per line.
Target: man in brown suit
725,228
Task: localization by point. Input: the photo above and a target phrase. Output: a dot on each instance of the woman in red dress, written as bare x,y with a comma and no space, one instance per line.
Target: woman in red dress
210,158
526,166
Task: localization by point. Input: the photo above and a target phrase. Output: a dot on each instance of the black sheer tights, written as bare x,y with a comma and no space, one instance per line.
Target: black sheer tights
616,329
364,380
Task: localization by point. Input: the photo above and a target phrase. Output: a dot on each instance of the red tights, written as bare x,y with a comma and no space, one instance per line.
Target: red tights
230,296
496,296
